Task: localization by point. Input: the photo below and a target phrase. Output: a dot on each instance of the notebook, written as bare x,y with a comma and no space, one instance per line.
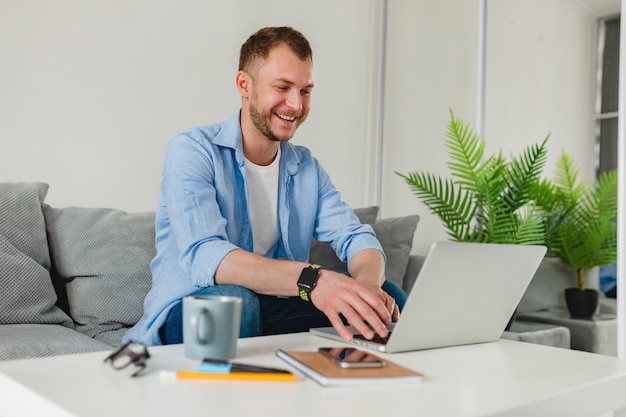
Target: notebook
465,293
328,374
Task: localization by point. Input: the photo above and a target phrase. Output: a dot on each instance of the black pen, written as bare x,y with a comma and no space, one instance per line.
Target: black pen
242,367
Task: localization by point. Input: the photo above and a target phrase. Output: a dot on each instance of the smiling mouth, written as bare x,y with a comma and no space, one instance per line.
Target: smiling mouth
286,117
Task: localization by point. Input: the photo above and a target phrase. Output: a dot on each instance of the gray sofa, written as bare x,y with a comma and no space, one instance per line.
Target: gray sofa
73,279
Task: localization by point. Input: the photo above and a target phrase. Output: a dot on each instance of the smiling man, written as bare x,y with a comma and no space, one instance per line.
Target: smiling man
240,204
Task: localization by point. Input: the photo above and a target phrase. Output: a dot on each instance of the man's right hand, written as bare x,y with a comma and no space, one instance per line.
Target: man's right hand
358,302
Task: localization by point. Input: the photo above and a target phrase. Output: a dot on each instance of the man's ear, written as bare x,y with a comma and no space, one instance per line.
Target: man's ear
243,83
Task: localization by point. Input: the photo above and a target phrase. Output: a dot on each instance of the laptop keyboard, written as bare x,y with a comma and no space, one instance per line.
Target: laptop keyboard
375,339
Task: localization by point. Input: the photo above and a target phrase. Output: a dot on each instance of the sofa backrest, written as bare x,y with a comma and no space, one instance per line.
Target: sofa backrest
28,295
102,258
89,268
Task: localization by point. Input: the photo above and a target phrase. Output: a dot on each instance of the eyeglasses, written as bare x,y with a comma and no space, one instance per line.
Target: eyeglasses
134,353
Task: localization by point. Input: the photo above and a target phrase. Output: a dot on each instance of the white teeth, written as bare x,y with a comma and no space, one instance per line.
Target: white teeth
287,118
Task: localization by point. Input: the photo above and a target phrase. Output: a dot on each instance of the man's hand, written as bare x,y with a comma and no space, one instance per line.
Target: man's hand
360,300
389,301
365,306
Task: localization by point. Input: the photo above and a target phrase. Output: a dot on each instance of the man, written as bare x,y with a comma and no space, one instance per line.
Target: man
239,206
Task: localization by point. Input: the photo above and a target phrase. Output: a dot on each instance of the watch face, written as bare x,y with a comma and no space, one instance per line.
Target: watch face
308,277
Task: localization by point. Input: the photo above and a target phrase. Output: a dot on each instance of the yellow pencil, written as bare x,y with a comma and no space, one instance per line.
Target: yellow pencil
238,376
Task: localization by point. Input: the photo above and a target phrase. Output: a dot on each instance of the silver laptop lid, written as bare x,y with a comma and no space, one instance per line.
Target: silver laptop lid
465,293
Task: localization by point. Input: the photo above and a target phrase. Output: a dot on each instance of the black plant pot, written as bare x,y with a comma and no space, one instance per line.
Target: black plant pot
581,303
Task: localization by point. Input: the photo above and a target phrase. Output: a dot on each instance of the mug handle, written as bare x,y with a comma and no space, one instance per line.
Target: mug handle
202,326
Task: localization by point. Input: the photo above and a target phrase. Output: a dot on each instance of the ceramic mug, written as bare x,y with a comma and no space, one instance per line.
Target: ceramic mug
211,326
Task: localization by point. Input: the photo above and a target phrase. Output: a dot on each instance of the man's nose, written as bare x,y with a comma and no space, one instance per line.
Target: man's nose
294,100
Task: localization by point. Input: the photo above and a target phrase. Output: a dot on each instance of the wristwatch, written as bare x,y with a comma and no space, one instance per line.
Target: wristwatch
308,279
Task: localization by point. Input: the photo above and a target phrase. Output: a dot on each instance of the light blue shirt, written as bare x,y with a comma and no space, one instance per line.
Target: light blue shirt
203,215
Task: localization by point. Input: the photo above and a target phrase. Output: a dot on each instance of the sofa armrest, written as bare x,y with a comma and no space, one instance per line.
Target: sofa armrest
607,305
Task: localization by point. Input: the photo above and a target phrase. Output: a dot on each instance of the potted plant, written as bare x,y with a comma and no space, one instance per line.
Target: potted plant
487,199
580,221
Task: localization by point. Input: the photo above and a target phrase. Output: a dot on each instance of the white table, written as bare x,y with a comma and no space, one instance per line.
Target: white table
504,378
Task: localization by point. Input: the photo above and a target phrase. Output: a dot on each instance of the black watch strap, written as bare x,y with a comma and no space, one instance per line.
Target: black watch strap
308,280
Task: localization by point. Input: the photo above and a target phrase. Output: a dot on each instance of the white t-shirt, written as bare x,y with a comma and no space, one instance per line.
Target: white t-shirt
263,200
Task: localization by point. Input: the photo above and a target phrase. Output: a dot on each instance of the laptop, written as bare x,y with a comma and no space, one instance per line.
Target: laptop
465,293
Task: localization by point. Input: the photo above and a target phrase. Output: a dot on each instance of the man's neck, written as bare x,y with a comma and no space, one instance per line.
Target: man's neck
260,153
257,148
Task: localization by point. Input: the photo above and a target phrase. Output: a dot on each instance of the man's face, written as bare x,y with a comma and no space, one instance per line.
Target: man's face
280,95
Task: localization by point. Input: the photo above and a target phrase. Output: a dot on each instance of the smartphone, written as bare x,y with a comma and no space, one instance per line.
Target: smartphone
351,357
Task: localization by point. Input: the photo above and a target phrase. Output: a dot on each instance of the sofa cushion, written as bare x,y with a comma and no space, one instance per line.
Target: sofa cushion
394,234
104,255
323,254
396,237
38,340
112,337
27,294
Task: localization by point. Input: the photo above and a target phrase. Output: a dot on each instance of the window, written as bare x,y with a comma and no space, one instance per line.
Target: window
607,93
606,118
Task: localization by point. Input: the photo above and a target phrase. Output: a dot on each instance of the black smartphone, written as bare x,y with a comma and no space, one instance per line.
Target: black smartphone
351,357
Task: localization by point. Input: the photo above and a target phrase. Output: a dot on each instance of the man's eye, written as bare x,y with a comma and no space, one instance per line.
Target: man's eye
282,88
306,93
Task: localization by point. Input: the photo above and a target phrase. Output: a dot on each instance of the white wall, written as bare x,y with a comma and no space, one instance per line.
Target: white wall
539,80
541,63
431,68
92,91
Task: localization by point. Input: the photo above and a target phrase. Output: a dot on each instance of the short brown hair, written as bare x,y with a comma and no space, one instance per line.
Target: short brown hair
260,43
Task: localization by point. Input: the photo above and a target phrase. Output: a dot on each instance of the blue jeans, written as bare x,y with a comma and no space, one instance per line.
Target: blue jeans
264,314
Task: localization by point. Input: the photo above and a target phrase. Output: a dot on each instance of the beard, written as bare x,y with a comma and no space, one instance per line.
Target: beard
261,120
262,123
